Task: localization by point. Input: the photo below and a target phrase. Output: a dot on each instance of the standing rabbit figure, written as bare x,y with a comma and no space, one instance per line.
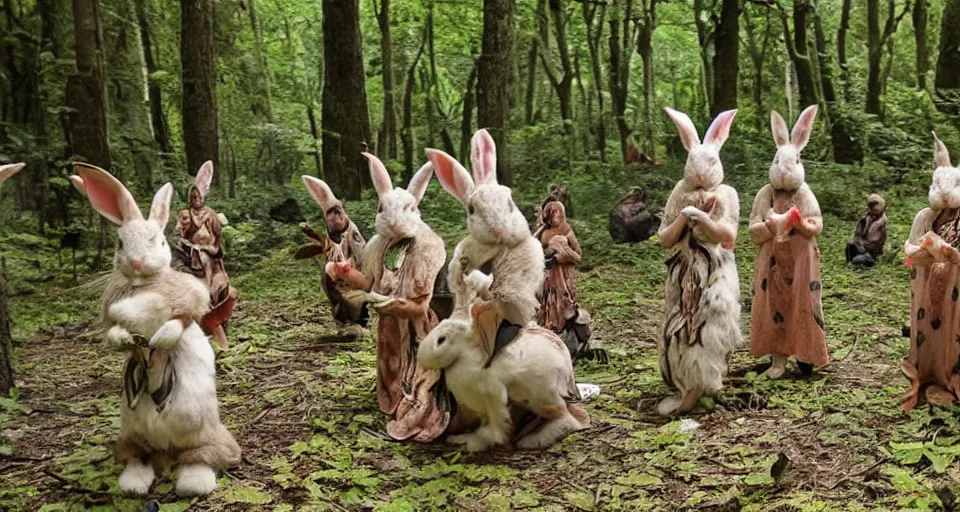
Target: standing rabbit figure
343,243
701,324
787,314
9,170
400,264
499,239
169,409
933,363
534,373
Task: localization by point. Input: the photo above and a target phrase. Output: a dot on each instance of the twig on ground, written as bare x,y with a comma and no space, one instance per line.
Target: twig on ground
856,339
733,469
855,475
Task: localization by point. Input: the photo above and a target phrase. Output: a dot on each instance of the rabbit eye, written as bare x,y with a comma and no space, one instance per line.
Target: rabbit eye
441,340
120,243
379,207
470,210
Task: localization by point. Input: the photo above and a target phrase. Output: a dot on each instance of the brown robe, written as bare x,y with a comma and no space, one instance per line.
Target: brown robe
787,314
415,399
560,300
935,314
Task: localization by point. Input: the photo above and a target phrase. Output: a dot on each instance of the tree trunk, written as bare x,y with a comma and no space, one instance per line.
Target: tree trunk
594,31
758,54
262,106
388,130
466,121
531,93
406,132
315,135
920,39
842,48
86,89
726,60
6,340
645,48
799,53
563,84
875,44
199,79
621,49
493,83
947,83
346,121
161,130
705,36
846,147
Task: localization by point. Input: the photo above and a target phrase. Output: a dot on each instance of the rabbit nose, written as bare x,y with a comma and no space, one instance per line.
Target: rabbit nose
497,232
136,264
394,226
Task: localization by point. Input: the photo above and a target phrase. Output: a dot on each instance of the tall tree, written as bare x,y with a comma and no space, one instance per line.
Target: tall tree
594,15
875,43
406,131
622,43
263,105
842,47
705,36
757,49
494,76
646,25
199,80
86,88
920,40
161,130
562,82
387,143
947,83
798,51
726,59
846,147
533,53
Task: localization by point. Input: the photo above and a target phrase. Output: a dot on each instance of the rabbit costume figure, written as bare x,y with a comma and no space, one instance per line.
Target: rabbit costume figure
499,239
933,363
169,410
701,324
199,228
400,264
343,243
787,314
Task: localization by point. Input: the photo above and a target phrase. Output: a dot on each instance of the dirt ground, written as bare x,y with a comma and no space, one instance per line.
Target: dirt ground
302,407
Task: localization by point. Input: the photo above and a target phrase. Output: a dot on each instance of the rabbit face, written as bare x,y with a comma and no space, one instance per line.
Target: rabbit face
443,346
493,217
398,215
945,189
142,250
786,171
703,168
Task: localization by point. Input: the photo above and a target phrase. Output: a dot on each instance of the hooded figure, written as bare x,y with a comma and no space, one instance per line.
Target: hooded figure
870,234
199,228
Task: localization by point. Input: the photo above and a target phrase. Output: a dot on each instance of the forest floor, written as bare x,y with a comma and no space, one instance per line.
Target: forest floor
302,407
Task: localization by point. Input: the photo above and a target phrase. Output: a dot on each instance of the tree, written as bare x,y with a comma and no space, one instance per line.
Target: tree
799,54
875,43
345,118
842,47
86,88
161,130
263,103
494,76
947,83
758,56
622,43
593,18
387,143
920,40
726,60
846,147
199,80
562,83
645,28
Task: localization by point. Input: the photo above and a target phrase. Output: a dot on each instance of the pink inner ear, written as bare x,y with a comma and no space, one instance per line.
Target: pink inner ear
483,157
379,175
688,132
452,176
941,155
319,191
108,196
204,178
801,131
720,128
420,181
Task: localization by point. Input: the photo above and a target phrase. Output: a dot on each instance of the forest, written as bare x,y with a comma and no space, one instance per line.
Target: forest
573,94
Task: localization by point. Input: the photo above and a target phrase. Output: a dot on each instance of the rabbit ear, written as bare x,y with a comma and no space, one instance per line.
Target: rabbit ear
483,158
204,178
688,132
418,184
107,195
379,175
779,129
78,184
720,129
453,177
940,154
9,170
801,131
320,192
160,209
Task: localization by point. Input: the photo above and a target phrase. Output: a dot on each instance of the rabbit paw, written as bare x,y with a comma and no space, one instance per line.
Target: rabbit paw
119,336
459,439
136,478
196,480
167,335
477,443
479,281
669,405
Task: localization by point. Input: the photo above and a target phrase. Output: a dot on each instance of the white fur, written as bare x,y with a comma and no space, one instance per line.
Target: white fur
703,168
9,170
945,188
498,232
147,301
398,213
534,370
196,480
136,478
786,171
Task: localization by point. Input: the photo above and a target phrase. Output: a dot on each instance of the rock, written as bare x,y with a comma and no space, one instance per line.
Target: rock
287,212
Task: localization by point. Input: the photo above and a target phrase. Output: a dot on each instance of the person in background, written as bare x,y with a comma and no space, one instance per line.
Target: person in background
870,234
